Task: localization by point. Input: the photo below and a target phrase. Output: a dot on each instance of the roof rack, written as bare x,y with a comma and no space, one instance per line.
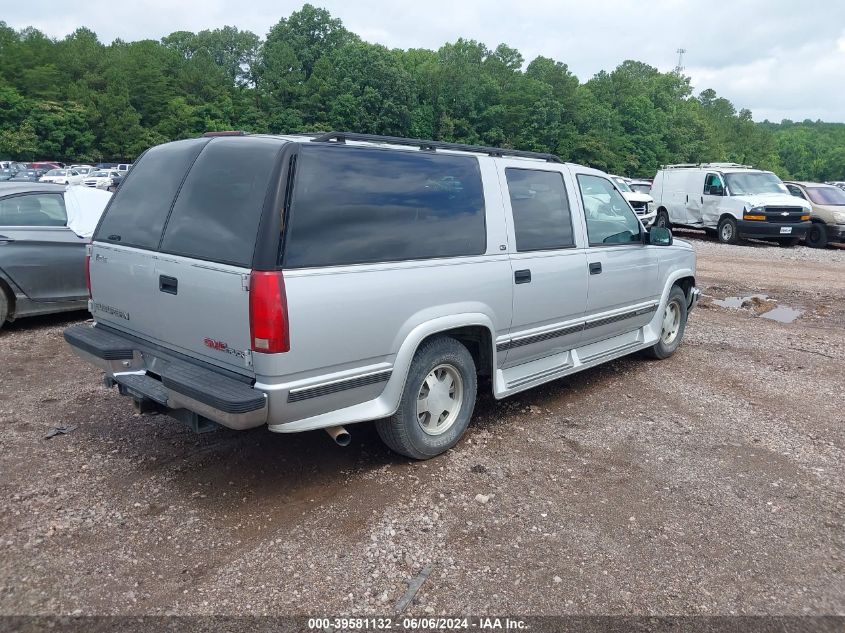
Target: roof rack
342,137
708,166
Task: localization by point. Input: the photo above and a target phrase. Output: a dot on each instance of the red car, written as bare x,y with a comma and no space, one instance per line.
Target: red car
46,165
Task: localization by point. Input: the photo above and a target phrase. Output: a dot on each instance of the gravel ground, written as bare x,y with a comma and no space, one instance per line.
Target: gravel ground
710,483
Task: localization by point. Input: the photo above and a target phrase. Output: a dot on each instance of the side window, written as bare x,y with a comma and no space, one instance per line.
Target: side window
355,205
609,218
38,209
713,185
796,191
541,216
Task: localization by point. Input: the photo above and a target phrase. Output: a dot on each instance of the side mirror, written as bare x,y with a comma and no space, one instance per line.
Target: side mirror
659,236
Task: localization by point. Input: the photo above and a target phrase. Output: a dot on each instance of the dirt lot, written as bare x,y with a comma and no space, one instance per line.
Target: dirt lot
710,483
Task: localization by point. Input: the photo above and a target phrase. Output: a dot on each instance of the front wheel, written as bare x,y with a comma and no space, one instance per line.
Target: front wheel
728,232
662,219
673,325
437,402
817,235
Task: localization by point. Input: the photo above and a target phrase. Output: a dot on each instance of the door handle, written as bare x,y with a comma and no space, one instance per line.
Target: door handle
522,276
595,268
170,285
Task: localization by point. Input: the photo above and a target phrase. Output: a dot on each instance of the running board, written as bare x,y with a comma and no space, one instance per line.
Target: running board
616,351
541,370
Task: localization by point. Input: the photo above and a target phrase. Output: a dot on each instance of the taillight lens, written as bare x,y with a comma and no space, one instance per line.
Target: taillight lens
88,270
268,313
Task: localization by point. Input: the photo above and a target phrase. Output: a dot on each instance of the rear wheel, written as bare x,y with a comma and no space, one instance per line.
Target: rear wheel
673,325
437,403
662,219
728,232
817,235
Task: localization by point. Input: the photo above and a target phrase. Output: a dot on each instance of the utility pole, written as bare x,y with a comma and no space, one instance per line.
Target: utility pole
679,69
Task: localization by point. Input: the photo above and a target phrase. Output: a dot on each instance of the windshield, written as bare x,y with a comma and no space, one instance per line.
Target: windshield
621,184
754,182
101,174
56,172
641,188
827,195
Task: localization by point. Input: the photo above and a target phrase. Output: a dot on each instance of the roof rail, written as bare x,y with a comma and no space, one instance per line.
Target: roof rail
708,166
342,137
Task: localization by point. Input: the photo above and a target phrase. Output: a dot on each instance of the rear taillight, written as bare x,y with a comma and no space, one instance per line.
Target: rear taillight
268,313
88,269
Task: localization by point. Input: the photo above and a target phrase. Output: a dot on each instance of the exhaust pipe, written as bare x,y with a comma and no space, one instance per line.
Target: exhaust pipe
340,435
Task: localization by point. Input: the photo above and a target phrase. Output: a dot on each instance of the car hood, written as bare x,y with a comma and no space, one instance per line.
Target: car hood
830,208
772,199
635,196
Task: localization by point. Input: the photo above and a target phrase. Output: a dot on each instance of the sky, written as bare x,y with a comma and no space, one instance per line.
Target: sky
779,58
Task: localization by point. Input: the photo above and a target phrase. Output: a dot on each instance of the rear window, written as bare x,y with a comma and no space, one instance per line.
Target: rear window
139,210
354,205
216,215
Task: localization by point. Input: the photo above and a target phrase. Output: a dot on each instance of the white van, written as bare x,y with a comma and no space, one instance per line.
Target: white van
732,201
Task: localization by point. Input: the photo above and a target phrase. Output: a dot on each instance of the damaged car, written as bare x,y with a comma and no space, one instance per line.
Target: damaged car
44,229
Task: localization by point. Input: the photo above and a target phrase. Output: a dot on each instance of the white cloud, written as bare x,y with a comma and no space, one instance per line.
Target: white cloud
777,58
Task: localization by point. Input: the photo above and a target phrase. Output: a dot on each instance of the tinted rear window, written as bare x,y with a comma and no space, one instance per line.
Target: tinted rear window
354,205
216,215
139,210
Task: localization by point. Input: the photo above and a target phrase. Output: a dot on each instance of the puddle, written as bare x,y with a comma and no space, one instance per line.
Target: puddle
782,314
741,302
763,307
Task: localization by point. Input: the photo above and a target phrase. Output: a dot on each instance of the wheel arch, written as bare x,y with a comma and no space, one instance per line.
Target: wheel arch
11,299
473,330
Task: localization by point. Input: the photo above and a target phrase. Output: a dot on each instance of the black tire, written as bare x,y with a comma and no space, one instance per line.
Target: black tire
4,307
817,236
403,432
662,219
787,242
728,233
664,348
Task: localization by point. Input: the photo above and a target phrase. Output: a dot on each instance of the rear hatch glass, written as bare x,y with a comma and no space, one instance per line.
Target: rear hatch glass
218,210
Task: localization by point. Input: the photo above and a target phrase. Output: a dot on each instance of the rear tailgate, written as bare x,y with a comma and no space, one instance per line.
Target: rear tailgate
183,284
198,309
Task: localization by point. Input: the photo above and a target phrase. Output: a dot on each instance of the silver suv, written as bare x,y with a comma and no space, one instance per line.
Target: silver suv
311,282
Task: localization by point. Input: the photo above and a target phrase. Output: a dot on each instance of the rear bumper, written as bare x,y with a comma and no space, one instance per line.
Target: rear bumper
175,385
771,230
